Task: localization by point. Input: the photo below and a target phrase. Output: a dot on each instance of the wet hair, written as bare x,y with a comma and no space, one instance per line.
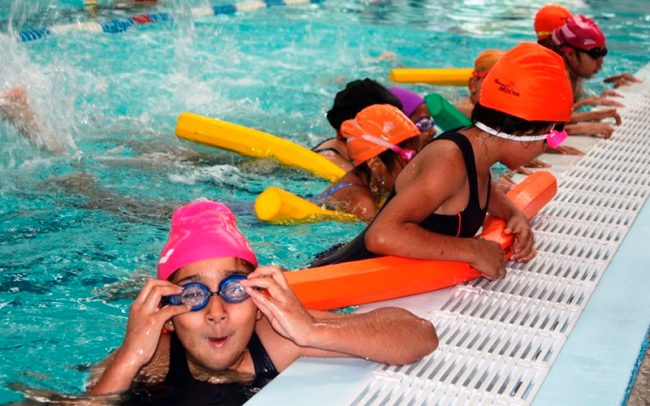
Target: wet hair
356,96
505,122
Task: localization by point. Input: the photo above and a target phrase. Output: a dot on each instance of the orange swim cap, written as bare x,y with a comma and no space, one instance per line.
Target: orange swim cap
548,18
529,82
486,60
382,121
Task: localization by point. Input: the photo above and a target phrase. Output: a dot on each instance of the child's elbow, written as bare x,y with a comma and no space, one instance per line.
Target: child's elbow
377,242
427,343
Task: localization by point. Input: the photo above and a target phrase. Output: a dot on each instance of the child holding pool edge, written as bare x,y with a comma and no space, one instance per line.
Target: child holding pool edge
441,197
216,335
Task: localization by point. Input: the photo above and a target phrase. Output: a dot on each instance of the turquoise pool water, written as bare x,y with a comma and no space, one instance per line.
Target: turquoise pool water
80,232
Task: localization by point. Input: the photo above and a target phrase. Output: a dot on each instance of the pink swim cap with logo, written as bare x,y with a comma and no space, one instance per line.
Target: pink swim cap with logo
202,230
579,32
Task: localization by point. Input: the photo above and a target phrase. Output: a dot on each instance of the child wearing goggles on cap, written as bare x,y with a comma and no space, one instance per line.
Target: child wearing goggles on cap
213,316
441,197
381,140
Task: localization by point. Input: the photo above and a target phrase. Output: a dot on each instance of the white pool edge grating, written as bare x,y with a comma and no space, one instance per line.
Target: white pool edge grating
498,340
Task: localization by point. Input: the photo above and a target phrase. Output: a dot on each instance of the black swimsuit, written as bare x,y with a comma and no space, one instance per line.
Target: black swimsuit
181,388
464,224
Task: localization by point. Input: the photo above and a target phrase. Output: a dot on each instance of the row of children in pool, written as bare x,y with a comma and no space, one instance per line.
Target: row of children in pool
373,161
180,335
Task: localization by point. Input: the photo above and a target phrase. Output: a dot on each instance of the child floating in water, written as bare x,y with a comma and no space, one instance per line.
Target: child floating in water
213,316
441,197
380,141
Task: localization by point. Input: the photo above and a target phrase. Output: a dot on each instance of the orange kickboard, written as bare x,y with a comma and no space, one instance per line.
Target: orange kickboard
382,278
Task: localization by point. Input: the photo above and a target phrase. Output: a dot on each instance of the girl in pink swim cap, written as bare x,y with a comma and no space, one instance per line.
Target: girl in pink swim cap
213,316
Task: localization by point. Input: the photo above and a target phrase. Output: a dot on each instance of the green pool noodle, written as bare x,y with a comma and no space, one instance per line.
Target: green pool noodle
447,116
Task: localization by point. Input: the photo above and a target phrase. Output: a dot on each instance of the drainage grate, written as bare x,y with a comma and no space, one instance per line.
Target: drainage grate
498,339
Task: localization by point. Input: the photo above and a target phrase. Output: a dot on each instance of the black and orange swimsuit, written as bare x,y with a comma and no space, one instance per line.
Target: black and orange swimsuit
464,224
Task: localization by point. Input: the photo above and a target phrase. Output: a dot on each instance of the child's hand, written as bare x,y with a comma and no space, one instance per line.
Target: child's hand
523,249
489,259
270,291
146,320
624,79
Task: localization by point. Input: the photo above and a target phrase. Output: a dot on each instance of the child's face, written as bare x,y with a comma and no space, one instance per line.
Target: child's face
583,65
216,336
421,112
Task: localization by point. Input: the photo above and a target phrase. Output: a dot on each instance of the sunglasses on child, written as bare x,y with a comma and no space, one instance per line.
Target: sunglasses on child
197,295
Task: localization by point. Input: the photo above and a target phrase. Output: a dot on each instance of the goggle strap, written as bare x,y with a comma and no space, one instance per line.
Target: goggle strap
507,136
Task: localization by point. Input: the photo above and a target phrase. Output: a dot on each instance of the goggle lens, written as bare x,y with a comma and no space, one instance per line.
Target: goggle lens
425,124
197,295
596,53
555,138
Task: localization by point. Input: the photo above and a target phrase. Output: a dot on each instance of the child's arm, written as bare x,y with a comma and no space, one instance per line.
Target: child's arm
523,249
434,177
146,320
389,335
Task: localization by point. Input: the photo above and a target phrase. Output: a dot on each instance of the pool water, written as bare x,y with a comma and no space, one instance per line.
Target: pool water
81,232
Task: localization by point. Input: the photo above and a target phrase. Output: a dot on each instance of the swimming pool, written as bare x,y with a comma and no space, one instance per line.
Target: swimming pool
79,230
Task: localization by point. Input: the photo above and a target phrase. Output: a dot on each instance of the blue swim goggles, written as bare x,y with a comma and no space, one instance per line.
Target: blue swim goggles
197,295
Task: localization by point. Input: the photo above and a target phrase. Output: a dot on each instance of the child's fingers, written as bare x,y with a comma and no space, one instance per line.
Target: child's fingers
167,312
269,284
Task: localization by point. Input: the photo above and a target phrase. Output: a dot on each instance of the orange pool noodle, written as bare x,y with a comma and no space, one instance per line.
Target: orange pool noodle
389,277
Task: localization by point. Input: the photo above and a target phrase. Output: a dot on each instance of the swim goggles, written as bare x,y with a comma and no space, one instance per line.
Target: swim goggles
594,53
425,123
197,295
404,153
554,139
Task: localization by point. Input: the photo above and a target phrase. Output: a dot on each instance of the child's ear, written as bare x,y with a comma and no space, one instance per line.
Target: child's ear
169,325
376,165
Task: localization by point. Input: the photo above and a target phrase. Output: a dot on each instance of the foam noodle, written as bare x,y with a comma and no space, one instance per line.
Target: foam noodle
389,277
254,143
441,77
278,206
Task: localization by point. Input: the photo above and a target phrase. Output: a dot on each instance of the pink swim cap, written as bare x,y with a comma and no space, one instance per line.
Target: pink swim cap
202,230
410,100
579,32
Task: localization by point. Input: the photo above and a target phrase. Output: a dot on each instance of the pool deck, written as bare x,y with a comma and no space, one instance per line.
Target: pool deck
597,361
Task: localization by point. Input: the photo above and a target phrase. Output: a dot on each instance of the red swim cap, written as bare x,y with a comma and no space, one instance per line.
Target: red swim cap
548,18
579,32
381,121
202,230
529,82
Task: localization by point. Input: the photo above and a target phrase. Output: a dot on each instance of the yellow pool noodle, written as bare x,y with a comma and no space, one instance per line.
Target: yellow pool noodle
254,143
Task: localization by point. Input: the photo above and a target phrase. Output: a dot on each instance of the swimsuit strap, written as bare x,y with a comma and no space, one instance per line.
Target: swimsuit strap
264,367
179,371
330,191
470,166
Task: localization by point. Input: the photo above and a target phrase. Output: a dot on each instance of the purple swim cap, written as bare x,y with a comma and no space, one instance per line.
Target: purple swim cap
202,230
410,100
